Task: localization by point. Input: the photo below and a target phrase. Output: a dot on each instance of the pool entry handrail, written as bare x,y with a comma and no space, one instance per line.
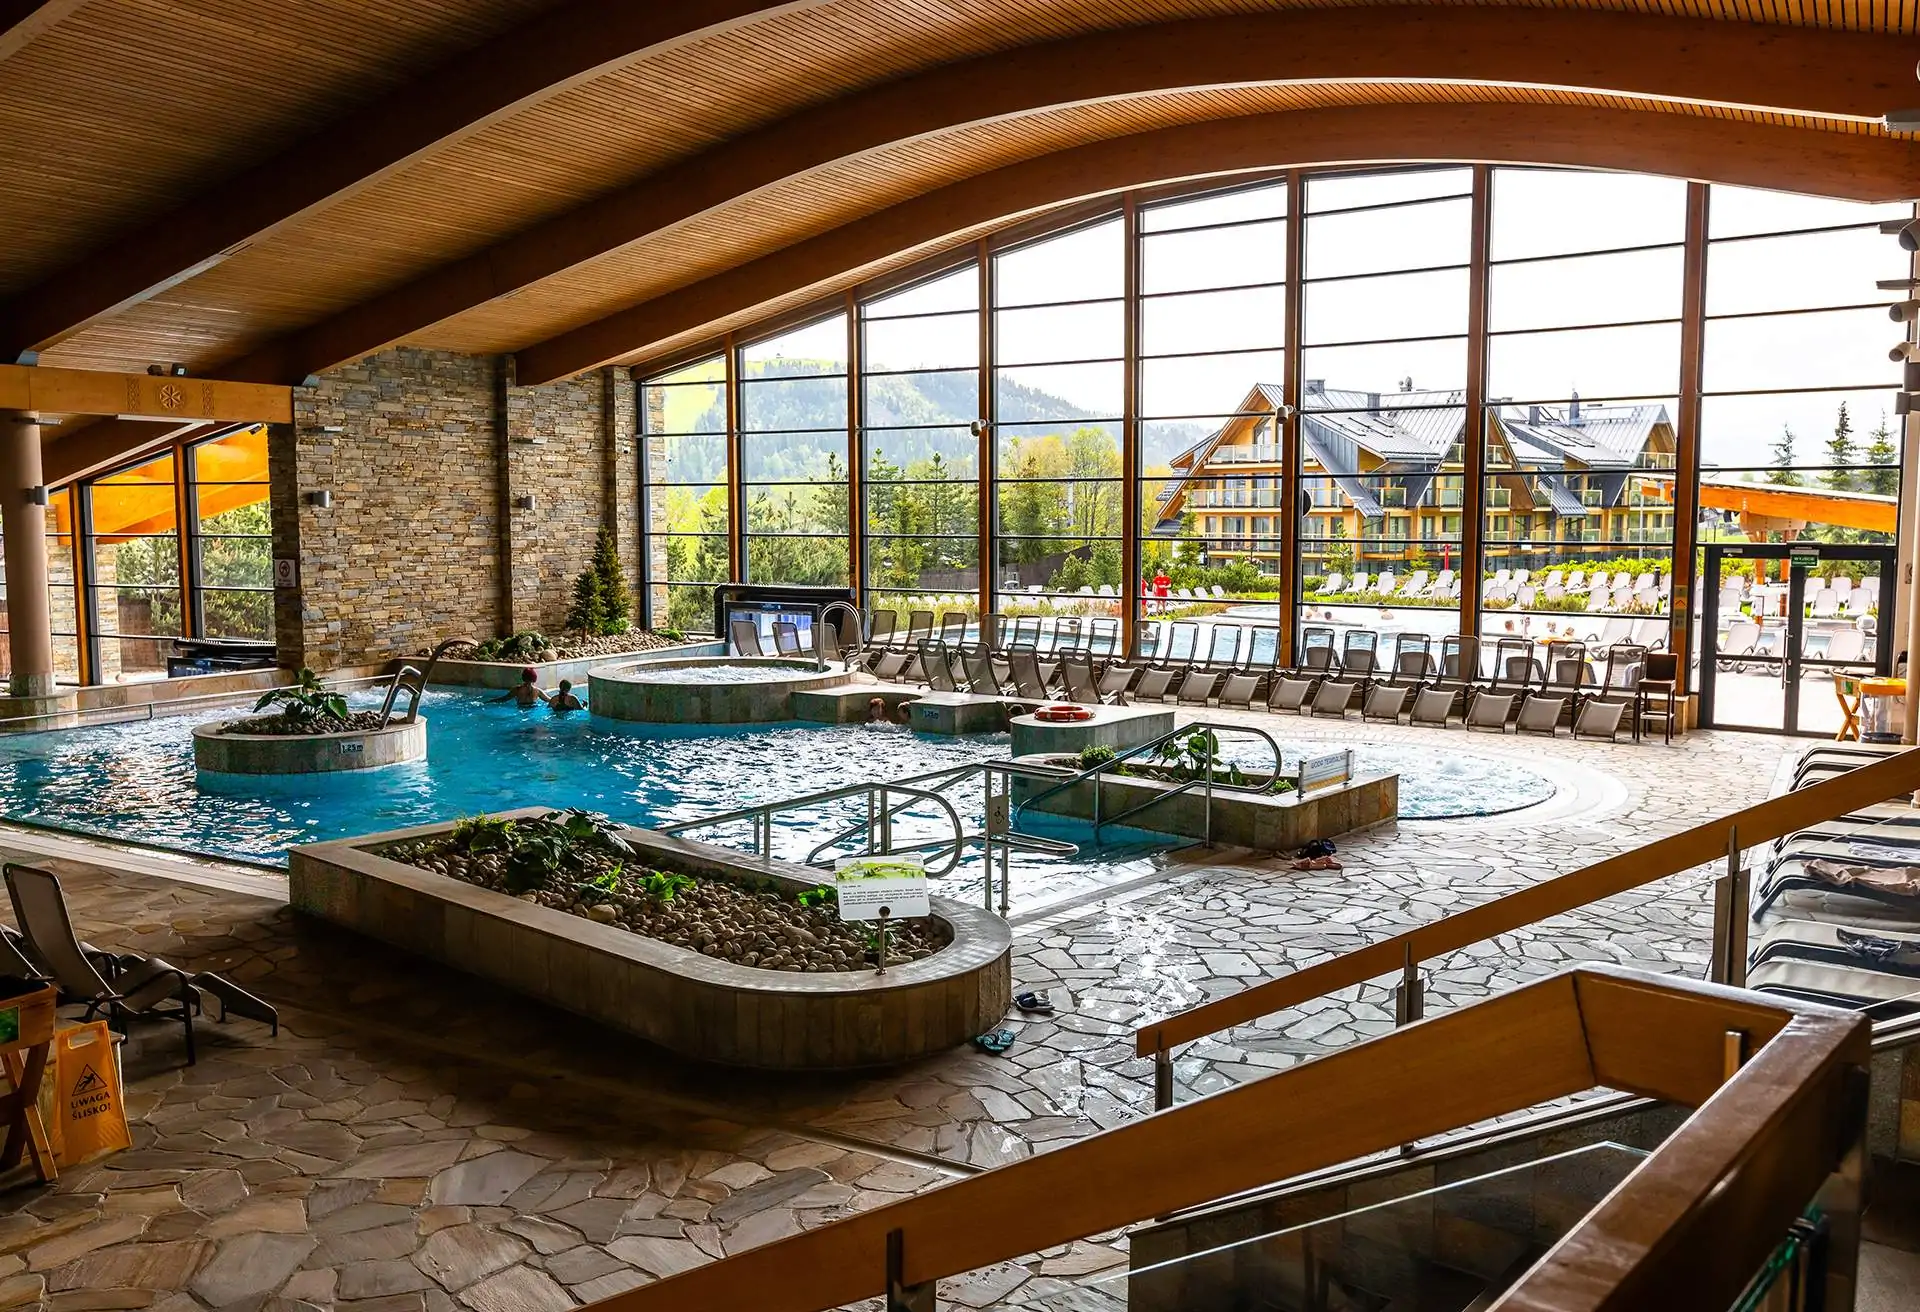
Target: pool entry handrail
1778,1088
1213,730
414,682
879,822
1727,836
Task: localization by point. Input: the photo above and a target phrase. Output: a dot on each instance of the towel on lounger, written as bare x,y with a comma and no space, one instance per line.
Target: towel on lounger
1902,880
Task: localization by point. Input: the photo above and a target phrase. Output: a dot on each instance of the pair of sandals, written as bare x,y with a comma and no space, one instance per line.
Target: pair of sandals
1317,863
997,1042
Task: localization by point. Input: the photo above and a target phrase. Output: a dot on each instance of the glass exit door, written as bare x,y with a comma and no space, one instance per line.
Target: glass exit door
1778,621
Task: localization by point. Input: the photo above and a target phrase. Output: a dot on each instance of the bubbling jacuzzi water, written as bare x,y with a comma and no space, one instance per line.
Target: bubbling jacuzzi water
719,672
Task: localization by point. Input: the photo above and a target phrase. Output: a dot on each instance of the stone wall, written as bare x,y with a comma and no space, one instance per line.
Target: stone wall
407,443
425,454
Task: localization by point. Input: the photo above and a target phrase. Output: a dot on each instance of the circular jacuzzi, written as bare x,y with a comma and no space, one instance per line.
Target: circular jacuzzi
707,690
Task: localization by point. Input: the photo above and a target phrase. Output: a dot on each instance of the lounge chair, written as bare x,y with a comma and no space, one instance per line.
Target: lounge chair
786,638
1334,697
880,628
1412,660
1196,688
936,666
1385,701
1076,668
1223,648
1490,710
953,627
746,638
1359,656
1155,680
1027,680
1263,651
1599,718
981,676
122,987
1238,690
1290,694
1114,682
1540,713
1103,636
1433,706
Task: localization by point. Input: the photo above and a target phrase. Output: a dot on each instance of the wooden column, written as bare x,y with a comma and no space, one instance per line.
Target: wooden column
988,440
186,538
1288,432
1686,431
23,526
1473,493
1130,454
856,459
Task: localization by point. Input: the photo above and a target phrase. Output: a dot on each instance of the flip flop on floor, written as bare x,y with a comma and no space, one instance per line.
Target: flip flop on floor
1034,1004
994,1044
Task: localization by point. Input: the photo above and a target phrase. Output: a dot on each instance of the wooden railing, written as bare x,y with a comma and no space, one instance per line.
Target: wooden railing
1782,1123
1775,818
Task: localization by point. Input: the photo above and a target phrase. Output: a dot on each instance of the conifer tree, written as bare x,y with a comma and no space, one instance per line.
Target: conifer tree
616,603
589,614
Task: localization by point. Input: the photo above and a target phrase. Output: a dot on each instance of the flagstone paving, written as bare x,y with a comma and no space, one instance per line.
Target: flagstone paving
416,1140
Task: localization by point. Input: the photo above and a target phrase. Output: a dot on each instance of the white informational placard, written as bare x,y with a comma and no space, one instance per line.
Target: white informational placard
869,885
1325,771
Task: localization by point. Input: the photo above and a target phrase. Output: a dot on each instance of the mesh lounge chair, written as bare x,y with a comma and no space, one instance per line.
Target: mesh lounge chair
935,668
953,627
1238,690
121,987
1412,660
1025,669
1385,701
880,627
1114,682
1197,687
1599,718
786,638
1433,705
1263,651
1077,669
1359,655
1334,697
1290,693
746,638
981,676
1103,637
1540,713
1223,648
1490,710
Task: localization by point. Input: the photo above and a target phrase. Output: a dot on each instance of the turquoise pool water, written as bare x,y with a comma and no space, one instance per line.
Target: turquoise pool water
136,782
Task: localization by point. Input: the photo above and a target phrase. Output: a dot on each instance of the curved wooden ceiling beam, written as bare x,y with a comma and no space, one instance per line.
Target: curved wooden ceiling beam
1816,72
519,68
1851,166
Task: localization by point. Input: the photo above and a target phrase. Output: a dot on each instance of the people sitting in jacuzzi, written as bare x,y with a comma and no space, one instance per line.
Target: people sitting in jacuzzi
563,700
527,695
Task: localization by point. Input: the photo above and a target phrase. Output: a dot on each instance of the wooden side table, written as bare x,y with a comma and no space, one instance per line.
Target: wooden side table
26,1039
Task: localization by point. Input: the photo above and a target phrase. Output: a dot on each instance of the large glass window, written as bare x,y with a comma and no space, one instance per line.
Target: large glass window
920,401
1059,342
1382,425
683,418
233,544
1213,338
793,455
133,553
1584,285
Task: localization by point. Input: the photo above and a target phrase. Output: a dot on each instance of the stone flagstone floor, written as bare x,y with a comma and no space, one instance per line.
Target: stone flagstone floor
415,1140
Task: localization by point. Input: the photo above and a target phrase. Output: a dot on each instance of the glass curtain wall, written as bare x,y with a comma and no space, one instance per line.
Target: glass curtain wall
1059,407
920,453
1584,287
1799,441
1577,420
1383,345
1213,361
793,455
233,538
683,419
133,560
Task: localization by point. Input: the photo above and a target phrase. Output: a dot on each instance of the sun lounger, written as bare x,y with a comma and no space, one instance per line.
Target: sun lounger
1334,697
746,638
1114,682
981,676
1599,718
1290,694
1490,710
1385,701
1196,688
1433,705
1238,690
1027,680
1154,682
1540,714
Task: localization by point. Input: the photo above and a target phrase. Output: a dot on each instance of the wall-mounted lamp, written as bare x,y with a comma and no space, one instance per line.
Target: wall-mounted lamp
523,502
330,428
319,499
978,427
1904,311
1903,353
37,496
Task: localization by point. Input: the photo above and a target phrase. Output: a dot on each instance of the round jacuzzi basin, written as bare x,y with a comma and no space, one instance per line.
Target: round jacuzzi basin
709,690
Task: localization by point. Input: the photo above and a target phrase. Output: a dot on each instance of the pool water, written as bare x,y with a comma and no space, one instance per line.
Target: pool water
715,673
1434,784
136,782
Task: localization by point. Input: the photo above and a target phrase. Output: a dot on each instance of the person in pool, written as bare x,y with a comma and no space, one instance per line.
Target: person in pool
527,695
564,700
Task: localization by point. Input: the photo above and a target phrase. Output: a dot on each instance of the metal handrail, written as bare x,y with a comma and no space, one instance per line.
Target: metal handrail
416,686
762,816
1096,772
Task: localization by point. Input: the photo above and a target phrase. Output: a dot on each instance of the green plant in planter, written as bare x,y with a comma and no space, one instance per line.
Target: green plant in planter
602,606
1096,755
817,897
600,888
523,646
1197,757
589,827
664,885
307,705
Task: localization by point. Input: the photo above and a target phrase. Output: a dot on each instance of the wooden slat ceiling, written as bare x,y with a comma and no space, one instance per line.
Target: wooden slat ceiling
128,108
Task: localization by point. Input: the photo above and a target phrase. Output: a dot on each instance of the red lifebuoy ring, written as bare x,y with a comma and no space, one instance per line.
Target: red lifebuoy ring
1063,714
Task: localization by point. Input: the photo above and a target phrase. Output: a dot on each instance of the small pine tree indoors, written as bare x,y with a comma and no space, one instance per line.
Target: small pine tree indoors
589,614
616,603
